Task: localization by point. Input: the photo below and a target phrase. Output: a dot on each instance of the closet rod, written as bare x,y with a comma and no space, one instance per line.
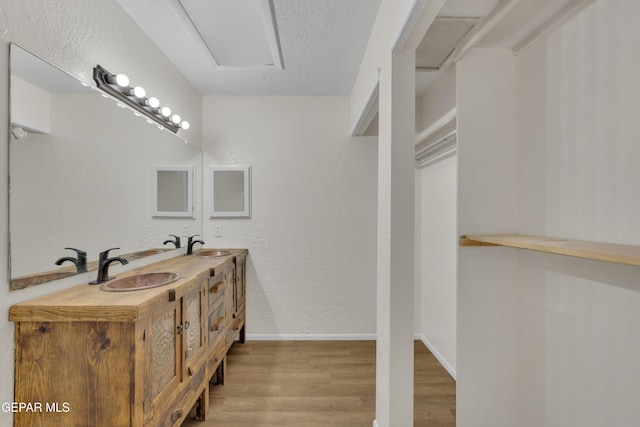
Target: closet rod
436,144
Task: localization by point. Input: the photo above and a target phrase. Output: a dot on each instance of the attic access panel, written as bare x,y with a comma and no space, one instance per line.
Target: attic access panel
239,33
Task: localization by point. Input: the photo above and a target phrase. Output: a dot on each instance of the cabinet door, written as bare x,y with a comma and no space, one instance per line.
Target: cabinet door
216,288
240,284
194,315
230,297
216,323
163,352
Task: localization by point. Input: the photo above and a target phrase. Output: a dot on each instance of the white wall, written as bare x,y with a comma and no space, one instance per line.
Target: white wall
578,136
438,259
547,340
30,106
438,100
437,238
487,203
75,39
311,236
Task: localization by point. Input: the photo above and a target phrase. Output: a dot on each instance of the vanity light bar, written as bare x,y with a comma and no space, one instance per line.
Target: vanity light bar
118,87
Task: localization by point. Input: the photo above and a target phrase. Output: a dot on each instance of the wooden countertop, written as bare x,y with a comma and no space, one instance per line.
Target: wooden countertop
89,302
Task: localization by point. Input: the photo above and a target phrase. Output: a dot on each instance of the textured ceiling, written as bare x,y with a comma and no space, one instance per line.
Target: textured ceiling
322,44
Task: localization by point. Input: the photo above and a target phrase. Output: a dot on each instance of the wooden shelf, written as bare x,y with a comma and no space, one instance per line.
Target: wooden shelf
619,254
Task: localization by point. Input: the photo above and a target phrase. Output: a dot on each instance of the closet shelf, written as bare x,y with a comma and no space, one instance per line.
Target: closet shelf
619,254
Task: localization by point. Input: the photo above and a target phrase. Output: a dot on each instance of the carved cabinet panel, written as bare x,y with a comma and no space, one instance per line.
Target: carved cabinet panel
164,349
192,330
194,319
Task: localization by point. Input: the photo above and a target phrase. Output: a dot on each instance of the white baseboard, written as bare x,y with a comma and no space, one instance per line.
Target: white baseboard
436,354
311,337
375,423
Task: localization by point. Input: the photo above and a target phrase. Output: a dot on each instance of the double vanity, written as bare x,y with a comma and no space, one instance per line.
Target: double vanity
139,350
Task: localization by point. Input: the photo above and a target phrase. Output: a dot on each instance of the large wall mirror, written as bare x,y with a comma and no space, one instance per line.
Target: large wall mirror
80,176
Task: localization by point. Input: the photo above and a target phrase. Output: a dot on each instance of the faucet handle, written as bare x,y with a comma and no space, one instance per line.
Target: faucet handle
105,254
81,253
176,241
191,243
81,262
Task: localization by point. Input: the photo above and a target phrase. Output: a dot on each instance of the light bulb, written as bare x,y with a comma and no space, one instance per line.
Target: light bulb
137,91
120,80
165,111
152,102
184,125
176,119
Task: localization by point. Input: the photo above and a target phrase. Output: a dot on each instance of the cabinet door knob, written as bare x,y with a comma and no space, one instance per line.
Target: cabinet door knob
179,329
176,415
186,324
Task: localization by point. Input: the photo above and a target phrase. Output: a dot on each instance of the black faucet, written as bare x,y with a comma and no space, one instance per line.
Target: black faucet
175,241
103,266
192,242
80,262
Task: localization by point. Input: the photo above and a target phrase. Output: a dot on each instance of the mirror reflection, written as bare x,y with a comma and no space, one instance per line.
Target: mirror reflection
79,176
172,193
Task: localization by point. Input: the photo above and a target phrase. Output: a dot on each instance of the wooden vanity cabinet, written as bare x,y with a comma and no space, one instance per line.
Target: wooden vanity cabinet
194,320
117,371
130,359
236,290
217,294
175,341
82,373
161,345
240,282
217,320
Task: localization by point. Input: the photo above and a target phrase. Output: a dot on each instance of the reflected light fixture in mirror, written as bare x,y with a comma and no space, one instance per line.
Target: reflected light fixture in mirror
135,97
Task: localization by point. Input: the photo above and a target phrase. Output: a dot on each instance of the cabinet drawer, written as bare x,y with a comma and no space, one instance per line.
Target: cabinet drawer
216,357
241,314
233,330
216,323
216,288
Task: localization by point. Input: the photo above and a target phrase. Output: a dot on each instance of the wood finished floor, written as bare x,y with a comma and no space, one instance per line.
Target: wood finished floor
319,383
